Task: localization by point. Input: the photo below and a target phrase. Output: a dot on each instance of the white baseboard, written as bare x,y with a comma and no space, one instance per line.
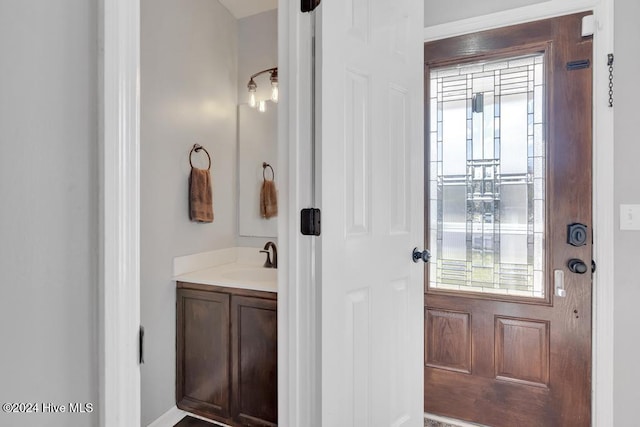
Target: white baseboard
173,415
169,418
447,420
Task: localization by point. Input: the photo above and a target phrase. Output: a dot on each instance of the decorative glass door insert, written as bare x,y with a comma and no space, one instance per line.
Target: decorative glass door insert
487,177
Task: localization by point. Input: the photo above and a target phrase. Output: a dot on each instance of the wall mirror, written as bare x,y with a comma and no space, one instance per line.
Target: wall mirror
257,142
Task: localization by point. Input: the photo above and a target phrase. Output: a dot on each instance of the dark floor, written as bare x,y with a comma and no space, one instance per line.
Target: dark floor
433,423
193,422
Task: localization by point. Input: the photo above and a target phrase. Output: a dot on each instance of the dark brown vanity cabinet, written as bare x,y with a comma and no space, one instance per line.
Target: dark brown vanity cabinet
226,364
203,369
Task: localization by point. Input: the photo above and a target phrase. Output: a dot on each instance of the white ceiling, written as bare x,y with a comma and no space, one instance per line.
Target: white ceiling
244,8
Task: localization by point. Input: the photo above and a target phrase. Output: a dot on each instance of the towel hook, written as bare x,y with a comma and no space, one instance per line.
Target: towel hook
197,148
266,165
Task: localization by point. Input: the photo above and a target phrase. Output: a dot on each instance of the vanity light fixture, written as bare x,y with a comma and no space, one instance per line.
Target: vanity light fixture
252,86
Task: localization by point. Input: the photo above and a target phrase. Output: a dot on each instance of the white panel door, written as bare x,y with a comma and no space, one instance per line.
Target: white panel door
371,163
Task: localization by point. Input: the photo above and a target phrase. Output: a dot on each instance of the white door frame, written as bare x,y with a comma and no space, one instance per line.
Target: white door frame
298,386
119,284
119,281
603,167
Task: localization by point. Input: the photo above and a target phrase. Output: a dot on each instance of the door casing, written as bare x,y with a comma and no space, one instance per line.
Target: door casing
119,284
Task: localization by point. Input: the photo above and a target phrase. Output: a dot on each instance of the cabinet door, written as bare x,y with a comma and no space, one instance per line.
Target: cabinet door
202,371
255,360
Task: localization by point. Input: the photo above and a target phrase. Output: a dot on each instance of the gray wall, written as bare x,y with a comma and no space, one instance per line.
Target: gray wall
627,190
627,186
188,95
441,12
49,208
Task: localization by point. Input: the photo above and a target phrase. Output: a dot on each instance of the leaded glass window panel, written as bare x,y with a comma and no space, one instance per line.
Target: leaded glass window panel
487,177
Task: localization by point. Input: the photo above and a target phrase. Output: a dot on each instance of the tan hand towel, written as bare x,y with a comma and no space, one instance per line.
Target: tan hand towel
268,199
200,197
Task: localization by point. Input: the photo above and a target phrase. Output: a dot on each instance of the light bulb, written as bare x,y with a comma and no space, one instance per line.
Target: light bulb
262,106
252,86
274,85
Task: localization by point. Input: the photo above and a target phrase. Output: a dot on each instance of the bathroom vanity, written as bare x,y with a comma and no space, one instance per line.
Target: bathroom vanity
226,342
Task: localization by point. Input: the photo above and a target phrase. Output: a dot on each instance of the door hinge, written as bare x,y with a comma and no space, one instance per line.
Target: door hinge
308,5
310,222
141,345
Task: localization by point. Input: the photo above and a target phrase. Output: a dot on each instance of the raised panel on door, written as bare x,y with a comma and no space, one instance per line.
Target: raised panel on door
203,383
522,351
448,340
508,170
254,331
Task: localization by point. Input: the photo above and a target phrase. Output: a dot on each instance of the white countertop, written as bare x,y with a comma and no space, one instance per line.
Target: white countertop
234,267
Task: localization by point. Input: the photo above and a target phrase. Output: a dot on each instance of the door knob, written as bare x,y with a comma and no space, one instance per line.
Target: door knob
577,266
420,255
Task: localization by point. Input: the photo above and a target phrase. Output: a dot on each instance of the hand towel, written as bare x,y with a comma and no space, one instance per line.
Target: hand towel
200,197
268,199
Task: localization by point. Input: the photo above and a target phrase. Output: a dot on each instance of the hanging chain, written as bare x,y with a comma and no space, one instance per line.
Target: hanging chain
610,64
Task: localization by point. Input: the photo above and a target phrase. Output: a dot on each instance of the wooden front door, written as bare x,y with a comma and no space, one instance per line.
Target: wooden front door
508,187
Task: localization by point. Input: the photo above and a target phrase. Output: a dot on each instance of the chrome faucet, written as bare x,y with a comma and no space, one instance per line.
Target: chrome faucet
268,263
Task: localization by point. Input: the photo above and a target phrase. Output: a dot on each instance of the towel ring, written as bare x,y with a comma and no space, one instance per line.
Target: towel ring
266,165
196,148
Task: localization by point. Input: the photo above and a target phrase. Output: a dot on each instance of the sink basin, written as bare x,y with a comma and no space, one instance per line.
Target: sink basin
252,274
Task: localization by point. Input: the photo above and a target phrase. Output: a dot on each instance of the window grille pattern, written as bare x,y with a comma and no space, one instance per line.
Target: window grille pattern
487,177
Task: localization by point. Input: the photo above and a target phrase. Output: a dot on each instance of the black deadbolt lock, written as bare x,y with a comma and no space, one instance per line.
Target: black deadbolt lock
577,234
